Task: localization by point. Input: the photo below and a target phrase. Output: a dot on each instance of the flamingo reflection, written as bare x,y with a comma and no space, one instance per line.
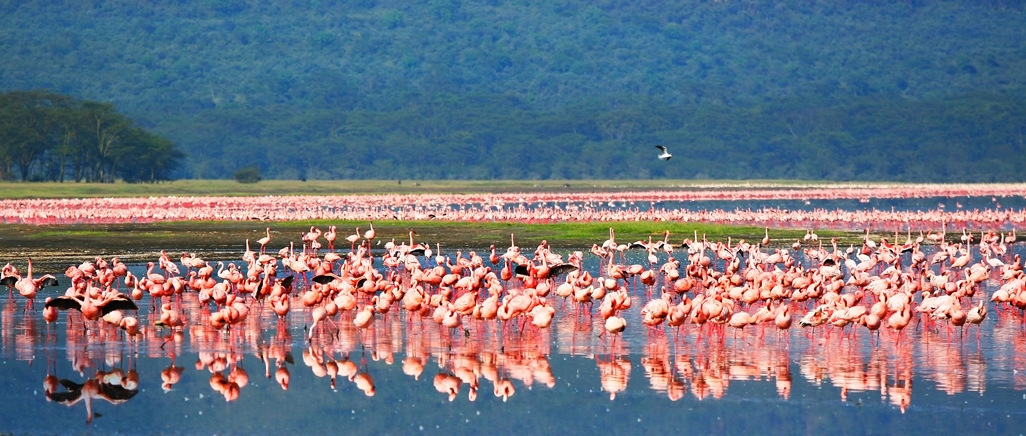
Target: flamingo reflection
89,390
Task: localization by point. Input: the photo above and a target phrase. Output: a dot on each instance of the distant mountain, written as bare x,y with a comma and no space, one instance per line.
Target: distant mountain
873,90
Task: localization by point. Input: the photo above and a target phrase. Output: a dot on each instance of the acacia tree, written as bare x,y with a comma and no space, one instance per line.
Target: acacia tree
149,157
43,135
28,120
106,129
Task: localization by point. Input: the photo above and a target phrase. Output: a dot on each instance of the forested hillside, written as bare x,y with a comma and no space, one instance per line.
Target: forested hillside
912,90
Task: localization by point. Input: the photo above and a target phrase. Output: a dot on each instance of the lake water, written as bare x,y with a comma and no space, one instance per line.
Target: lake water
409,375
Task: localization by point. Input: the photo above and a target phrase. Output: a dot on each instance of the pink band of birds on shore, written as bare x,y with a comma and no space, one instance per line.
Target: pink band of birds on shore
540,207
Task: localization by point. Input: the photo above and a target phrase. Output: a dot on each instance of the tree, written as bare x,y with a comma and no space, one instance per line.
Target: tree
43,135
248,175
151,158
106,130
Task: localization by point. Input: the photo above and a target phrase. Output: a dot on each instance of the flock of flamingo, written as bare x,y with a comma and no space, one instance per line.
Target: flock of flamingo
488,315
542,207
702,287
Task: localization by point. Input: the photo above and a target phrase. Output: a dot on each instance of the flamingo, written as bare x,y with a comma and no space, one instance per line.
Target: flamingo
938,237
869,242
353,238
263,241
364,318
614,324
330,236
169,318
92,309
27,286
977,314
369,234
414,249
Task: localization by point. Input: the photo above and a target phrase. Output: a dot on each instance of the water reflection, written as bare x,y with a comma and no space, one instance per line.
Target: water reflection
512,362
703,361
113,387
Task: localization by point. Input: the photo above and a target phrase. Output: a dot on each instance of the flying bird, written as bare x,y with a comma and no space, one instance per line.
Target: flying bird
665,155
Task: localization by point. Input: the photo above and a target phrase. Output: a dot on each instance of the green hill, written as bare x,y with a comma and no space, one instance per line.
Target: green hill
877,90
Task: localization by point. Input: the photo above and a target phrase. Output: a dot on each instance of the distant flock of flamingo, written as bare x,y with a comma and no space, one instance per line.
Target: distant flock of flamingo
538,207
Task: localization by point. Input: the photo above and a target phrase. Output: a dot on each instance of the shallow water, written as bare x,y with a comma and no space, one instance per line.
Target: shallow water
851,204
566,378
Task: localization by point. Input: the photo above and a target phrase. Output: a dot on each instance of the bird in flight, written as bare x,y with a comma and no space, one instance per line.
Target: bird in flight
665,155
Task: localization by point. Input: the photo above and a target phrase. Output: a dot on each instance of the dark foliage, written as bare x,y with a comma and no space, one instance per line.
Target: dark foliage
446,89
51,137
248,175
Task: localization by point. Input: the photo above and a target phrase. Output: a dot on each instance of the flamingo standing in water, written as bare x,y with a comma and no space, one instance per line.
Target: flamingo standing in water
353,238
938,237
169,317
416,249
49,315
27,286
8,277
92,309
263,241
330,236
976,316
369,234
613,325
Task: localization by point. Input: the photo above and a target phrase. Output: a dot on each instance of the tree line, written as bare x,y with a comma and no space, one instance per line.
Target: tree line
46,136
